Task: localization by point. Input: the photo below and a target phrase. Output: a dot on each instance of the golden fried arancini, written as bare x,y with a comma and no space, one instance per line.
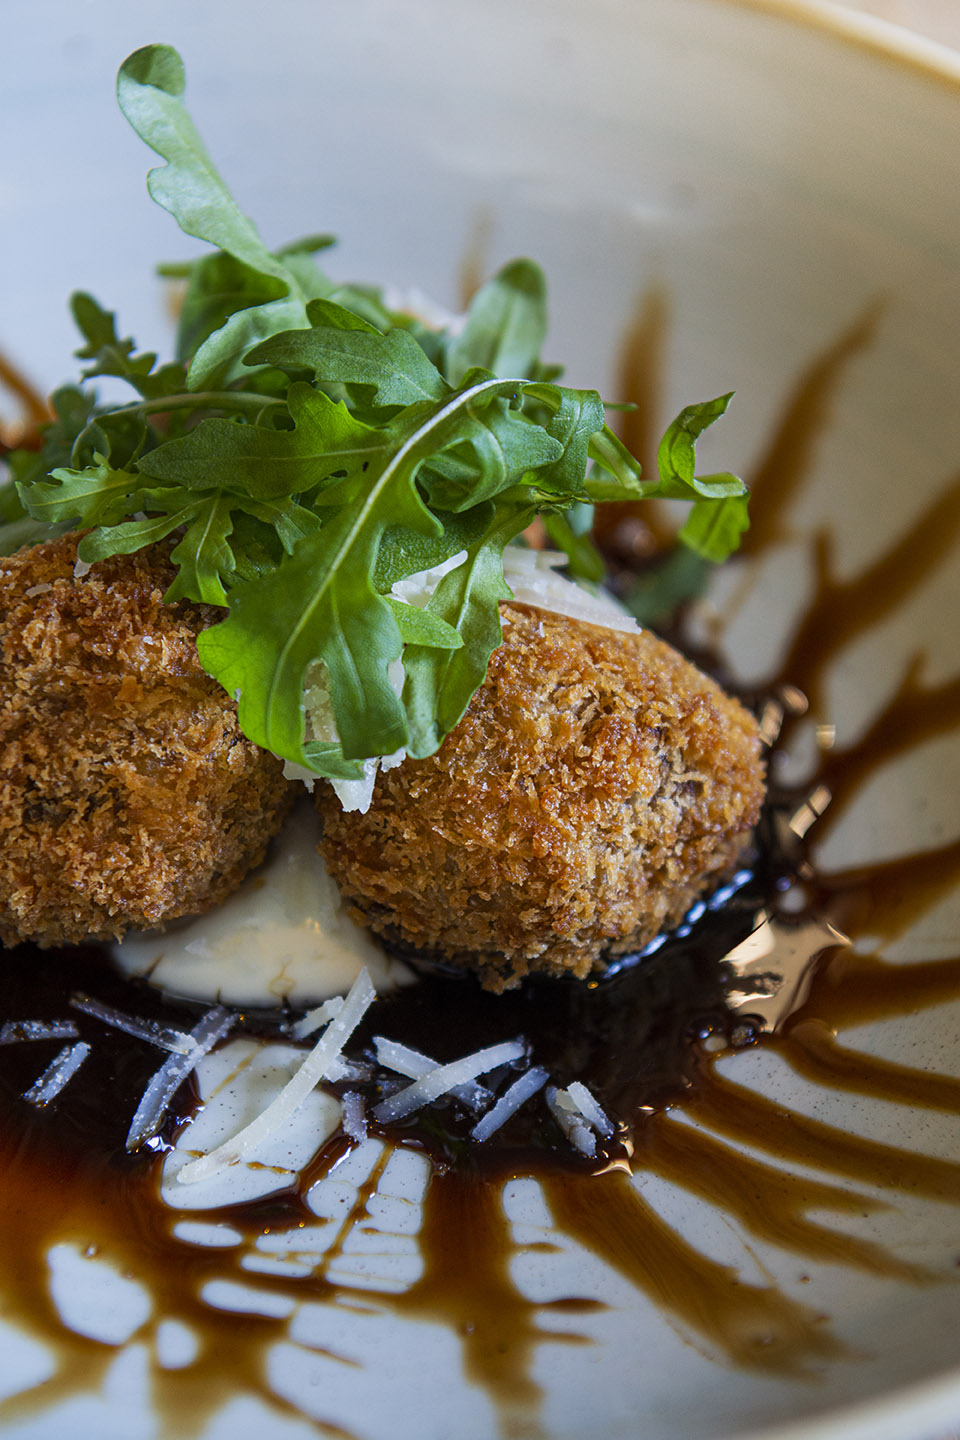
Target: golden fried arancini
597,784
128,795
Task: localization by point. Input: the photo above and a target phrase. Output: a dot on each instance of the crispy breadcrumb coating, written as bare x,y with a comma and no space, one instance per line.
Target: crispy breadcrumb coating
597,785
128,795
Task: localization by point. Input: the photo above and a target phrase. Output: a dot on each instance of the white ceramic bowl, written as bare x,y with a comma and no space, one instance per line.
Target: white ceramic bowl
783,182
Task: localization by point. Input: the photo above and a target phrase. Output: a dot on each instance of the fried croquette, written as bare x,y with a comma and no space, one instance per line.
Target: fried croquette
596,786
128,794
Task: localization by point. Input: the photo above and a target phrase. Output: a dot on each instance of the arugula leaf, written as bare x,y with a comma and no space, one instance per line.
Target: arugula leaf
326,441
388,369
113,356
98,495
149,89
218,286
311,446
440,684
505,327
324,601
713,530
421,627
221,358
17,528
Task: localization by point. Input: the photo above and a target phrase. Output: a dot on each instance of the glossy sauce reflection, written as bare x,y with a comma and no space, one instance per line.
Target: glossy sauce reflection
73,1191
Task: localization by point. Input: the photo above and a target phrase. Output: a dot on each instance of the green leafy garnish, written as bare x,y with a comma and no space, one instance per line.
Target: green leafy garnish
310,447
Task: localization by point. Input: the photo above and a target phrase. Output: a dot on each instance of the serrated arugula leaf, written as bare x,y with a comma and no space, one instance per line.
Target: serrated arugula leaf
440,684
498,447
367,302
321,605
97,495
421,627
219,285
149,90
204,556
321,446
505,328
132,535
326,441
713,528
222,357
719,514
389,369
676,456
17,528
112,356
325,598
575,419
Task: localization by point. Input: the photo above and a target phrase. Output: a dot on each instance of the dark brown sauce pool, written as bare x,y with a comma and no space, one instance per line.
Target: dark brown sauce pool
636,1039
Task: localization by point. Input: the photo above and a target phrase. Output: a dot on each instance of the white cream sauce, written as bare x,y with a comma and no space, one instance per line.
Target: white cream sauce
284,935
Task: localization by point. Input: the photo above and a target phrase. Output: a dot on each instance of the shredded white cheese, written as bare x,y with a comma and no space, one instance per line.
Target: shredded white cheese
414,1064
353,1120
589,1109
509,1103
314,1069
14,1031
167,1038
172,1073
313,1019
531,575
60,1070
442,1080
570,1119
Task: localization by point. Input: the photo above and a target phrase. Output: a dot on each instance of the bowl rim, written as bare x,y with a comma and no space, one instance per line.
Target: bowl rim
886,39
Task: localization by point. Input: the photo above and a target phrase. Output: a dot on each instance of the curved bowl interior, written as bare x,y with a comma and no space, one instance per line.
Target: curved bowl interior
766,206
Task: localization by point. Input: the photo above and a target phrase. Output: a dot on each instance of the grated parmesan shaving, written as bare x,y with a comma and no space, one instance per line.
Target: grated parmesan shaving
176,1041
509,1103
354,1121
441,1080
590,1110
343,1069
60,1070
414,1064
531,575
313,1019
16,1030
314,1069
166,1081
570,1119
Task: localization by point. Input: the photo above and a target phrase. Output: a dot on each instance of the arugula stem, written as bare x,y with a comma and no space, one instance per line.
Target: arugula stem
195,400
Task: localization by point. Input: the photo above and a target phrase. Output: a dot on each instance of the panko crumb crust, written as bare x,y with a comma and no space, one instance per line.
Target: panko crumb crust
597,785
128,794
